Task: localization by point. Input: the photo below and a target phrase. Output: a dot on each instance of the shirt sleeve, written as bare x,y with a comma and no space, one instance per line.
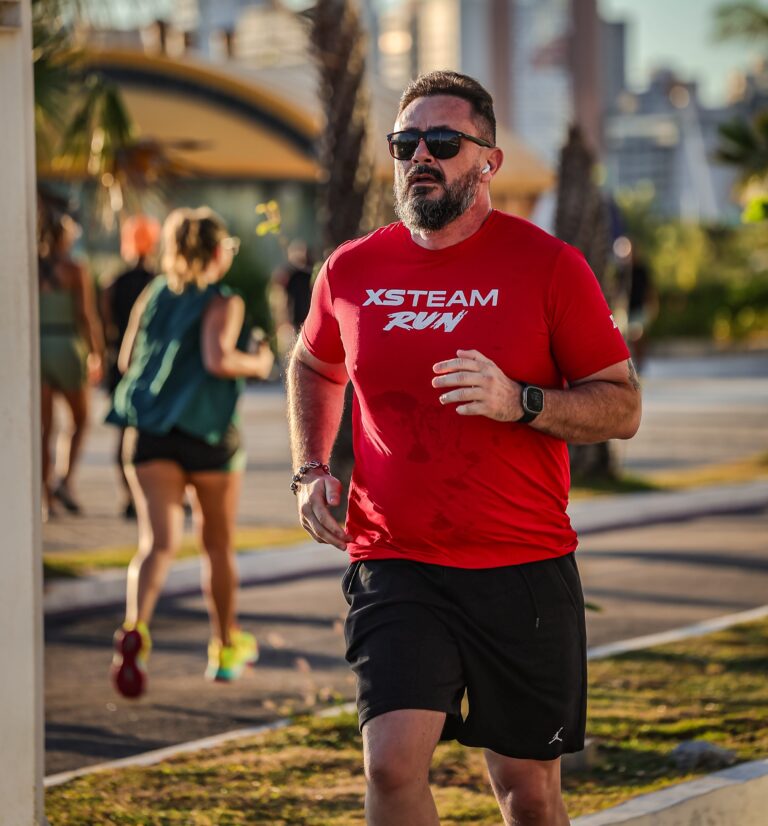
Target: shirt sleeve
320,332
584,336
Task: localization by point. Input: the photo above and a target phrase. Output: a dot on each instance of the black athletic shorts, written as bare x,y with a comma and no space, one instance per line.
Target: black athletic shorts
419,636
194,455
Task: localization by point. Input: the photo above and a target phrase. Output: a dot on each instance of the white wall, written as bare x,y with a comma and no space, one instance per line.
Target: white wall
21,713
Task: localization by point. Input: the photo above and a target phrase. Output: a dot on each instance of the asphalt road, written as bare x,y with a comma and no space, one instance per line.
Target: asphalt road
644,580
700,411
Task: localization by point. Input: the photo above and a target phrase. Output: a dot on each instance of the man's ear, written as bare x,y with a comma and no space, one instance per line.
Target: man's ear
495,161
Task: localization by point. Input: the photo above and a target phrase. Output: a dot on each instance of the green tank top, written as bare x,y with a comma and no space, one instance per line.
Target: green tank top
58,312
167,385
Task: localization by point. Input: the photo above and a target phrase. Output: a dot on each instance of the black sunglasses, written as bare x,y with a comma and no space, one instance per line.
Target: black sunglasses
441,143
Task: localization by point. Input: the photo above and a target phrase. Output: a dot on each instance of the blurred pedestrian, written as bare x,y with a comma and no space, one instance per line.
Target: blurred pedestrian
183,366
71,350
642,305
296,280
290,300
138,238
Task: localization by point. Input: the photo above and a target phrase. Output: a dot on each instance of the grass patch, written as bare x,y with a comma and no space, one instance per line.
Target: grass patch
67,564
642,705
742,470
748,469
626,483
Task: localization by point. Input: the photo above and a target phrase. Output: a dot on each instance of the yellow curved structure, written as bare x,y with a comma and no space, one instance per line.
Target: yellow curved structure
263,124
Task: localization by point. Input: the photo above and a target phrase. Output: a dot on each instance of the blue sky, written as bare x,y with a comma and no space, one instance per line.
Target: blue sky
678,33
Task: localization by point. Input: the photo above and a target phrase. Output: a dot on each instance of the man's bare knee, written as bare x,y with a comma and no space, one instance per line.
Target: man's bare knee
528,791
388,774
535,804
398,748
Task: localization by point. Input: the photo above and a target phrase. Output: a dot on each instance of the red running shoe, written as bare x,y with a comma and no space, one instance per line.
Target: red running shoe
129,663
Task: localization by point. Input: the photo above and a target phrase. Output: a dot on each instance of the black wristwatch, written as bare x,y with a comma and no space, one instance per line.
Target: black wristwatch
532,400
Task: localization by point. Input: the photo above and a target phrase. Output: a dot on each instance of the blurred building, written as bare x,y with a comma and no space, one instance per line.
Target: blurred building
549,63
541,59
665,138
229,87
748,91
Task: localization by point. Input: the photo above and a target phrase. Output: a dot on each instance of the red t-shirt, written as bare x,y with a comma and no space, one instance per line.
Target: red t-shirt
429,484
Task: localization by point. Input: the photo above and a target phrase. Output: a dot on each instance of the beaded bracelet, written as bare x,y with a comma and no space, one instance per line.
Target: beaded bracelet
313,465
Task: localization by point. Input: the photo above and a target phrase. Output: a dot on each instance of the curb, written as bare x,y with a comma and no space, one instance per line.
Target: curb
738,795
633,510
638,510
107,588
687,632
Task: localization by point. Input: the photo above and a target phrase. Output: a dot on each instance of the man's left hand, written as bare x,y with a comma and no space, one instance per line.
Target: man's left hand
481,387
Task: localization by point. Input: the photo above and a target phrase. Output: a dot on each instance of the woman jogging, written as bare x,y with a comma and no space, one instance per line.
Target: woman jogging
71,349
183,375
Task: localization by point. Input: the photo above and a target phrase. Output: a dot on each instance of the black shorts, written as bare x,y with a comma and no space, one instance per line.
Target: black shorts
419,636
193,455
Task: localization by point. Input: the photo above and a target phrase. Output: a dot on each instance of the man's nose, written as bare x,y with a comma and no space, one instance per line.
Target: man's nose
422,153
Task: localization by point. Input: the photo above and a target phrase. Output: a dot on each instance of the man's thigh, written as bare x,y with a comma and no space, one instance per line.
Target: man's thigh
515,775
404,739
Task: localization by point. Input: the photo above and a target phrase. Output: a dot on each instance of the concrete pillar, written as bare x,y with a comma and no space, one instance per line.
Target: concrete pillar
21,684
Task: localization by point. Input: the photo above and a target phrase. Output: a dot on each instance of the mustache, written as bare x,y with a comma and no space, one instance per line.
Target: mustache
425,169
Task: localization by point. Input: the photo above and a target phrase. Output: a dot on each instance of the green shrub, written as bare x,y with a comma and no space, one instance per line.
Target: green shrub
725,310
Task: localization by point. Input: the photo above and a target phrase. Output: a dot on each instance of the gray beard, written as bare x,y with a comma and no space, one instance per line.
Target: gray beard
419,212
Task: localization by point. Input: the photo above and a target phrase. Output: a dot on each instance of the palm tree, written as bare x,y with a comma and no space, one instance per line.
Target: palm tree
81,123
582,219
339,46
744,144
338,43
746,20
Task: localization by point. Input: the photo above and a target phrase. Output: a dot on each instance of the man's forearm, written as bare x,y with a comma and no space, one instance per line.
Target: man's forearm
315,405
591,412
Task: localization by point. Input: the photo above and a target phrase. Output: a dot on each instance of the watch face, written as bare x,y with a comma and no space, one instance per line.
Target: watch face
534,399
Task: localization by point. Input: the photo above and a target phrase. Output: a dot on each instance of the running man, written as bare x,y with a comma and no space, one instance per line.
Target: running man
478,347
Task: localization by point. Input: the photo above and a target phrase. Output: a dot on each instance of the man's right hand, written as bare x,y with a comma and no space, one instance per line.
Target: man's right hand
316,494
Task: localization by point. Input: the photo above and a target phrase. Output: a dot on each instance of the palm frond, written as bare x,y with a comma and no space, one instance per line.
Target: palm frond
744,144
746,20
82,124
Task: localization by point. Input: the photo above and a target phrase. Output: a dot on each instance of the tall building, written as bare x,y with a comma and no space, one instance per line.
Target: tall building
665,138
613,62
540,93
539,58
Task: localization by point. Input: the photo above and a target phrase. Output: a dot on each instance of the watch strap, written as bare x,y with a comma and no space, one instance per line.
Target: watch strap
527,417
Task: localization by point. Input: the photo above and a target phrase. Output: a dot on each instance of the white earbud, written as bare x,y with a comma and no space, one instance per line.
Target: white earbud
486,168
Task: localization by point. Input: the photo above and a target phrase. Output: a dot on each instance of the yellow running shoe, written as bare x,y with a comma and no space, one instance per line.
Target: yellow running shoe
129,662
226,662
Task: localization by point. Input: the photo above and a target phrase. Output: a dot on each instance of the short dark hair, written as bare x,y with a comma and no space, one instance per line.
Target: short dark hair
443,82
